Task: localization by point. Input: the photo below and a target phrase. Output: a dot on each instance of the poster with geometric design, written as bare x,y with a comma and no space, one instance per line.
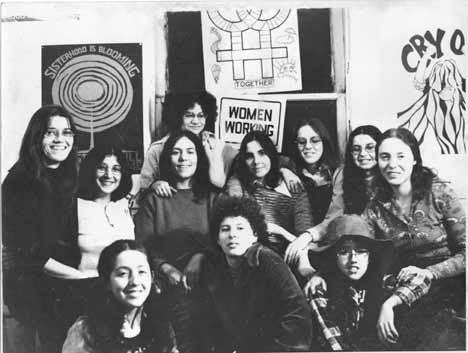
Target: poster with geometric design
101,86
251,51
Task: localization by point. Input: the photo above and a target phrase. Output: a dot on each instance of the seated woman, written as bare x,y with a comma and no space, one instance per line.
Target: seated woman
425,221
251,299
314,158
185,166
194,112
257,168
353,187
353,265
103,214
121,320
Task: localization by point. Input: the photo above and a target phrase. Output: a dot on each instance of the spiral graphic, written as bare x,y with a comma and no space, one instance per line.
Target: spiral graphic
96,90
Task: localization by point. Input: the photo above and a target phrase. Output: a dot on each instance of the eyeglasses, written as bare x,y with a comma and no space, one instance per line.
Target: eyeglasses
199,116
302,142
116,170
356,150
51,133
346,252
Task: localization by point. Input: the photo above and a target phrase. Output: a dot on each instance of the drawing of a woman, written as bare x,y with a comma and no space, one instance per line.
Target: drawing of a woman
441,107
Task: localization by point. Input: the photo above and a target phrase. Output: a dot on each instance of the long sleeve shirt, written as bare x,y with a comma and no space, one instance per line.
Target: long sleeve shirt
432,236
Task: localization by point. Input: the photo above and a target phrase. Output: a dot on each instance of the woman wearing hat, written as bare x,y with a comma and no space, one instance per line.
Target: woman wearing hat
352,265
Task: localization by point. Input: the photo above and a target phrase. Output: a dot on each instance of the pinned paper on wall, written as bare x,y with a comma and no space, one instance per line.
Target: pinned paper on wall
240,115
101,86
251,51
439,113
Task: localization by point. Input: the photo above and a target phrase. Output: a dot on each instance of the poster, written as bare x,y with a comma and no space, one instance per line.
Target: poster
101,86
251,51
240,115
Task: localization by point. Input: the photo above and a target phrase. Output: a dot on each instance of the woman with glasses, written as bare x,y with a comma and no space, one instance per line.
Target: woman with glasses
353,266
314,158
103,213
424,219
194,112
353,186
39,227
257,168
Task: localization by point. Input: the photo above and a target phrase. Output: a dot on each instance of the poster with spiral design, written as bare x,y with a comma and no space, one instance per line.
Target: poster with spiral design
101,86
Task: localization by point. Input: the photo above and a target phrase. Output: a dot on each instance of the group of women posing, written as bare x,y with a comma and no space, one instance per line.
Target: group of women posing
231,238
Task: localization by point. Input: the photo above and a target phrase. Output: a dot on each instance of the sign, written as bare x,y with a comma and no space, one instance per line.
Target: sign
101,86
251,51
238,116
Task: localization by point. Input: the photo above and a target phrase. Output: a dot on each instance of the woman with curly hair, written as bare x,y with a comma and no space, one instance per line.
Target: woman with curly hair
39,226
249,297
195,112
353,187
124,318
257,168
426,223
103,213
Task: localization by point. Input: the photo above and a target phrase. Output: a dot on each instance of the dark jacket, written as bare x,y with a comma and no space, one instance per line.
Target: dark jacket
38,224
264,311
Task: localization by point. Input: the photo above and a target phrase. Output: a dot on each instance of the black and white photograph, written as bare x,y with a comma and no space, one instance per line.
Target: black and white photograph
227,177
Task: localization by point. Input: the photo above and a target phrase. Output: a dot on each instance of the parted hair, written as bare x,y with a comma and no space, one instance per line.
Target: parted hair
200,180
421,176
88,189
242,171
328,157
354,186
176,104
32,156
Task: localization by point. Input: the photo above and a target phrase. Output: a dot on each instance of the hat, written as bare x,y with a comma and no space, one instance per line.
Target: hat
351,227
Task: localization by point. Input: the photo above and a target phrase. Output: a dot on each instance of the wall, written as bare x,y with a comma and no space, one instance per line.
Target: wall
62,24
379,86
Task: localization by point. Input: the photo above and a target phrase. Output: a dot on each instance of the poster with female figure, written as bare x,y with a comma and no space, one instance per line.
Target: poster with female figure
440,111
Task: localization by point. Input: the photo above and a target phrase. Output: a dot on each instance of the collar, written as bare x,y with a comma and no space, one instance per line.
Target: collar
252,255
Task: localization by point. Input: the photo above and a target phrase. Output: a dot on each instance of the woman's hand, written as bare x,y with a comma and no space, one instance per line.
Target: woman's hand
192,271
386,330
273,228
294,249
163,189
292,181
174,276
315,285
408,272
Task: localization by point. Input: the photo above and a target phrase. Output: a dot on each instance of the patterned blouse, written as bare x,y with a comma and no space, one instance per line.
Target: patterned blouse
432,236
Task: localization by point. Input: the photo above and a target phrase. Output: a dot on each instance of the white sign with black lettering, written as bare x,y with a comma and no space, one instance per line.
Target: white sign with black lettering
238,116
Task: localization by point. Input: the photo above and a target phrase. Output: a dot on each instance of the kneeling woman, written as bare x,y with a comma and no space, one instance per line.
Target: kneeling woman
121,322
250,294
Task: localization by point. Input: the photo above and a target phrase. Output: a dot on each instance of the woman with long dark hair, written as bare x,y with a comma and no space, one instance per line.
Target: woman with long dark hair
424,219
103,213
124,317
185,166
257,168
315,163
195,112
39,225
353,187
